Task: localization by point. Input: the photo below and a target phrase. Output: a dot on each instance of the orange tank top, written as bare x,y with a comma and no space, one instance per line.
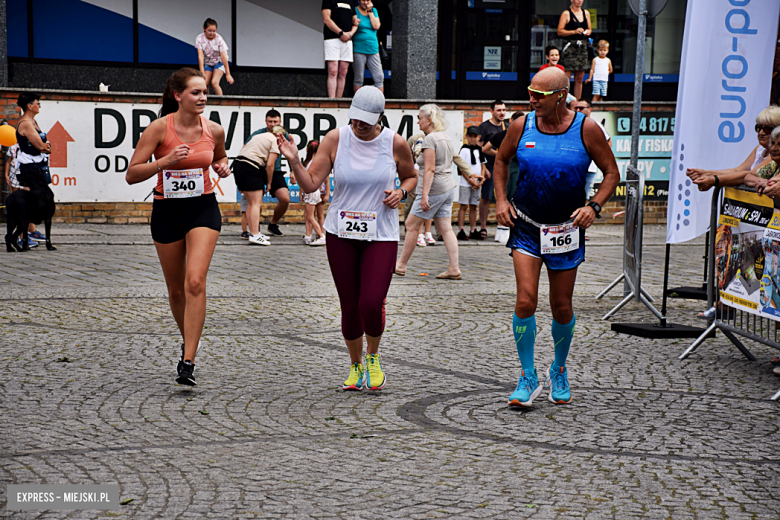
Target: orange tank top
201,154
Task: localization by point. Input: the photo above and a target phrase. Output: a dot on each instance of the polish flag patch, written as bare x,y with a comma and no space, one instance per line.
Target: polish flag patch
530,145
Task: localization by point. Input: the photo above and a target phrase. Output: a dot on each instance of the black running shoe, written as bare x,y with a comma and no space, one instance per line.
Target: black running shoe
245,235
274,228
474,235
462,235
186,373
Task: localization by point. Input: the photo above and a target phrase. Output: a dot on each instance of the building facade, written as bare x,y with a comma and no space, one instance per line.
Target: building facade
482,48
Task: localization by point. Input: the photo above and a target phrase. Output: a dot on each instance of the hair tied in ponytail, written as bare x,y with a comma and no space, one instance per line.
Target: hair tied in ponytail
176,83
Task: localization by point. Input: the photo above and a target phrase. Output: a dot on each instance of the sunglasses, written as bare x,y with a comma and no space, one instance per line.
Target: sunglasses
767,129
580,109
541,94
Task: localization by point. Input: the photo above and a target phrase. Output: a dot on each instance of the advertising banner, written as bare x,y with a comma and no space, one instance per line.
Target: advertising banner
725,79
93,142
747,253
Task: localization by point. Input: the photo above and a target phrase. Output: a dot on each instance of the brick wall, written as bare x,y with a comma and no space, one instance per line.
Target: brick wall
140,213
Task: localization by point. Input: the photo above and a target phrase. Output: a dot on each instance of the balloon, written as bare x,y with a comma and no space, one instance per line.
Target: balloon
7,135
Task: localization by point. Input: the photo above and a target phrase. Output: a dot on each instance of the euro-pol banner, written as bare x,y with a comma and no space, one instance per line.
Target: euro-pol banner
747,253
725,77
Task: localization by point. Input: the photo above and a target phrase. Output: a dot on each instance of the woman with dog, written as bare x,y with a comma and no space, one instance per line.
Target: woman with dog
33,148
186,220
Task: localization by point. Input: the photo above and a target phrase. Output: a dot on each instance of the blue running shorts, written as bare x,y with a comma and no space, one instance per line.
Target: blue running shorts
524,238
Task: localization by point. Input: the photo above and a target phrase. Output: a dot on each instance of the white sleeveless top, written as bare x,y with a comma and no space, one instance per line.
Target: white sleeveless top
362,171
759,158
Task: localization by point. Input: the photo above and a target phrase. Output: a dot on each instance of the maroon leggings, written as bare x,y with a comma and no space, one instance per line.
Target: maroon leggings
362,271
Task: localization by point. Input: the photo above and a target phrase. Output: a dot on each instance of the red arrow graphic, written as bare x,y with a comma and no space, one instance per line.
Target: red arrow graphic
59,139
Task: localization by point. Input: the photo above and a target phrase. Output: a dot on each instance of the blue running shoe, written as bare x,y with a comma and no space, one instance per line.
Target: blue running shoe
37,236
528,389
558,383
30,242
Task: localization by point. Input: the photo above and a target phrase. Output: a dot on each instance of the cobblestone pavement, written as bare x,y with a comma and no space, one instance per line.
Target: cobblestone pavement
87,396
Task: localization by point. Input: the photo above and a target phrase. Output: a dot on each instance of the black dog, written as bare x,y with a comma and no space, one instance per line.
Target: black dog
23,207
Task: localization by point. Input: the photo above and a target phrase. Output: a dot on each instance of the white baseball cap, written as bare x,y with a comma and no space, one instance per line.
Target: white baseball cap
367,105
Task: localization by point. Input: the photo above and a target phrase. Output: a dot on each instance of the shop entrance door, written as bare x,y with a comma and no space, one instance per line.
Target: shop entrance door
485,49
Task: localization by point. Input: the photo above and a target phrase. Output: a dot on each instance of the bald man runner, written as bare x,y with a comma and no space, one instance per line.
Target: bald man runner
548,216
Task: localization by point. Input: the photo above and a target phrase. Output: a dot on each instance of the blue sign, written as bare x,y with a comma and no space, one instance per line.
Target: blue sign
648,78
494,11
491,76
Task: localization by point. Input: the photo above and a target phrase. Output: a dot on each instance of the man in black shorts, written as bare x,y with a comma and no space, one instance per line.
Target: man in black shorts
487,130
278,188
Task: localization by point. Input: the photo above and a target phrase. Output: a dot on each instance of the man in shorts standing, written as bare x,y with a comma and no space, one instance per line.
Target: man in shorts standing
341,23
278,188
487,130
548,215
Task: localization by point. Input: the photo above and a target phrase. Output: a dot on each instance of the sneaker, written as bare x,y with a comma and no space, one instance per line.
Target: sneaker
528,389
186,374
36,235
356,377
307,241
259,240
30,242
274,229
181,360
245,235
462,235
421,240
319,242
558,383
429,239
375,378
474,235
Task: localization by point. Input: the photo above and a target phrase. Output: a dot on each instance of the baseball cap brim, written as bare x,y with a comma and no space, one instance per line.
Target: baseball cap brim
362,115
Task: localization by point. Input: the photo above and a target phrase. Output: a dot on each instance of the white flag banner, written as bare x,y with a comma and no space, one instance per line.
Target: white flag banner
725,77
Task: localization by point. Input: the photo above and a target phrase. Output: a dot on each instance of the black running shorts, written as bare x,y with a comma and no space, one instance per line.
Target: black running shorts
172,219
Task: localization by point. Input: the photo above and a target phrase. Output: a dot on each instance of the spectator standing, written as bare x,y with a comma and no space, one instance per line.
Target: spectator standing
468,192
600,70
487,130
366,46
212,56
435,190
310,201
11,169
553,55
574,26
586,108
341,24
278,187
253,170
34,151
362,230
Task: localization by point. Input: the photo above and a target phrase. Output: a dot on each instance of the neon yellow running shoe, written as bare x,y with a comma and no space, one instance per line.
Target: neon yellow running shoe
375,378
356,377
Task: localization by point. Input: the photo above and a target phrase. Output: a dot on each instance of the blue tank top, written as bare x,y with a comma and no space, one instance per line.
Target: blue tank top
551,184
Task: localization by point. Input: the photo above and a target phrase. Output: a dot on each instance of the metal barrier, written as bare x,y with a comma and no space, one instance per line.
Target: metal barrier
732,322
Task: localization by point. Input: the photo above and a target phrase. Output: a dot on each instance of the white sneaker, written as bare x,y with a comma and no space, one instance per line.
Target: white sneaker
421,240
429,239
259,240
307,241
319,242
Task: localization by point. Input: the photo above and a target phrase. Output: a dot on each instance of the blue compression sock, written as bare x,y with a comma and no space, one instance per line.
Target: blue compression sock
562,335
525,337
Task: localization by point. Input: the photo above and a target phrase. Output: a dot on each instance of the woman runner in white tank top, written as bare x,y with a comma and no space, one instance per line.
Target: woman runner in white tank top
362,223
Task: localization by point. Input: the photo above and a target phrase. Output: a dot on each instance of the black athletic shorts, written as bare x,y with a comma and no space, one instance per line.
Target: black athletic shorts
172,219
251,177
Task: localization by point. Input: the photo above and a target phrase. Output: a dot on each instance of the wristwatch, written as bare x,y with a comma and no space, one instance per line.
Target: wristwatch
404,192
341,34
596,207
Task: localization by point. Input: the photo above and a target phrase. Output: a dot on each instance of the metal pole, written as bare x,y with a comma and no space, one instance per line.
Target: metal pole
666,284
638,75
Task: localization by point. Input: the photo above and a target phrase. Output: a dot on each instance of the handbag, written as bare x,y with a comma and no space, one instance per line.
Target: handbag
383,53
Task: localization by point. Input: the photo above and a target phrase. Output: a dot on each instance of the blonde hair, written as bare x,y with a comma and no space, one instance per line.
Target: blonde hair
278,130
603,43
436,115
770,116
775,135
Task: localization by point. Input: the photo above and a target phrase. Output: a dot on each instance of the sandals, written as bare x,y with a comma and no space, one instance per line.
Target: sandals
445,276
399,273
483,234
